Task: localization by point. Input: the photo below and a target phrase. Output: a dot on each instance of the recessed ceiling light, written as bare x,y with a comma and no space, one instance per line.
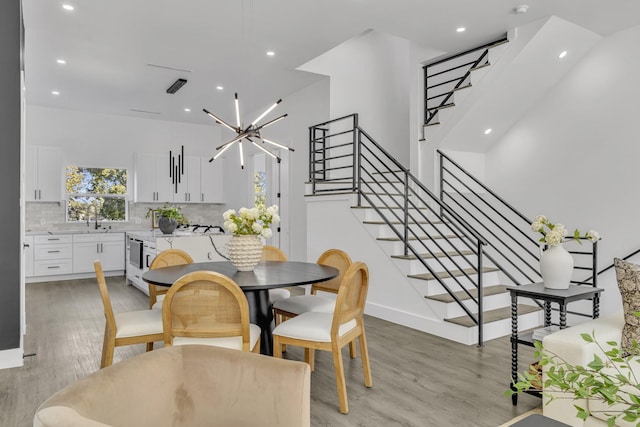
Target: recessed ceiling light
55,92
461,29
187,109
67,6
219,87
61,61
487,131
562,54
270,53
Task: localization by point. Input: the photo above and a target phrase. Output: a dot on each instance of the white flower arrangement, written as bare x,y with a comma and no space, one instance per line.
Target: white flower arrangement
254,221
554,234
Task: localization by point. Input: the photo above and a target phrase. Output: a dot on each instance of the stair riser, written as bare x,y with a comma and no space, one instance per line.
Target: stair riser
440,264
397,247
452,310
433,287
383,230
502,327
341,185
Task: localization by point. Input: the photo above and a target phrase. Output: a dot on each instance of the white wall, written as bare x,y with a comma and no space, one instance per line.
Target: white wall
574,157
370,75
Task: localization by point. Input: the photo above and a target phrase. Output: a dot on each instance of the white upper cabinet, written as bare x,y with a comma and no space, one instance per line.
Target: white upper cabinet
188,185
211,181
43,174
152,180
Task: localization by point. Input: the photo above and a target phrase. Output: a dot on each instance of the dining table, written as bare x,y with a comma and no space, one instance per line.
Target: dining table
255,285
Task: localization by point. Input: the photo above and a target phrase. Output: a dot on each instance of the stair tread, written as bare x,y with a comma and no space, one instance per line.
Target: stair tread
452,273
431,124
462,295
441,107
397,239
434,255
398,222
486,64
494,315
467,86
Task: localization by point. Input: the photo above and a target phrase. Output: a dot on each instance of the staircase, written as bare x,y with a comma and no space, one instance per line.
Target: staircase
439,247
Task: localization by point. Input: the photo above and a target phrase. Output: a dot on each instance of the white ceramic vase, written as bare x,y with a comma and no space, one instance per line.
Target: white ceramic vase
245,251
556,267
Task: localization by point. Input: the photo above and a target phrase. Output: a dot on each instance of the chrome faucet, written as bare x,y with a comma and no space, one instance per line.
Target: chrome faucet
95,216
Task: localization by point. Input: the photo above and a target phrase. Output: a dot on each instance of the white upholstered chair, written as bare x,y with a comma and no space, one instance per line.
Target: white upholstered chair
331,332
133,327
208,308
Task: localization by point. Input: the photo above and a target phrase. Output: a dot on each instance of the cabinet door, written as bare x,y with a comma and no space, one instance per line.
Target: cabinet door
31,174
112,255
189,185
211,181
84,253
145,177
163,186
49,174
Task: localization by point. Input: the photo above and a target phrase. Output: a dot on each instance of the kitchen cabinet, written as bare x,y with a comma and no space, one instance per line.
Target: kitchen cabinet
188,189
52,255
27,251
211,181
43,174
108,248
152,180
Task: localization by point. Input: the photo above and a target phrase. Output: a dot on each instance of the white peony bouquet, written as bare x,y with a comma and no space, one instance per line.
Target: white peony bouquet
554,234
251,221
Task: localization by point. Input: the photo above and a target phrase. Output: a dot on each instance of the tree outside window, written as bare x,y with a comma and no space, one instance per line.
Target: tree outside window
92,192
260,189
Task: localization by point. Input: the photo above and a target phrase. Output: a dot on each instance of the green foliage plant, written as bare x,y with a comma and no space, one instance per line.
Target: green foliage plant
169,212
610,379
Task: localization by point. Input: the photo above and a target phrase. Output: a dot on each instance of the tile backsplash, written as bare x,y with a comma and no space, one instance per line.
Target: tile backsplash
52,216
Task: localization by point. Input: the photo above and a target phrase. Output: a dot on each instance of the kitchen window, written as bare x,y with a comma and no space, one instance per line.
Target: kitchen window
96,194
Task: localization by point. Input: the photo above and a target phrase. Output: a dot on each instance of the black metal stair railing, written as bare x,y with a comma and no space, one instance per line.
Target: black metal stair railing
444,77
511,246
343,157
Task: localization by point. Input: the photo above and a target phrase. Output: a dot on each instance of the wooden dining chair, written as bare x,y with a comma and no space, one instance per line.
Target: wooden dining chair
331,332
272,253
208,308
291,307
165,259
133,327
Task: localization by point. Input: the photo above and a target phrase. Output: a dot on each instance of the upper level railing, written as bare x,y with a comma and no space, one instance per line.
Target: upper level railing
444,77
343,157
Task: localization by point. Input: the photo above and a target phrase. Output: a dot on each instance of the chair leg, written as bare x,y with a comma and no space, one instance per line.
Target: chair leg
277,347
105,344
108,349
366,367
150,346
340,383
310,358
353,352
256,348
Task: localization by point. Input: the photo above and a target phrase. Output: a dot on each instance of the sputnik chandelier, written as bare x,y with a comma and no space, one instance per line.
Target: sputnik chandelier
251,133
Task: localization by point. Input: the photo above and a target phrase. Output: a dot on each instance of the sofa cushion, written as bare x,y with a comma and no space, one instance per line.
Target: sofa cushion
628,275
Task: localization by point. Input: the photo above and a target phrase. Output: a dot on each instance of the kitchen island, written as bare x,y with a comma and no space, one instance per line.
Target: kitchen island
143,246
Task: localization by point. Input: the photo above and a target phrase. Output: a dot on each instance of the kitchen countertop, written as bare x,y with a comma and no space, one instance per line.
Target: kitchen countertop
154,234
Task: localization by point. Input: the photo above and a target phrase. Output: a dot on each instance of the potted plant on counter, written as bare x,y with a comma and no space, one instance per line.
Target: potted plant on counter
168,217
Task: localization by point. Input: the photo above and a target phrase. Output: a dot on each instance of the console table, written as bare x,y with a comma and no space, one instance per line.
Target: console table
562,297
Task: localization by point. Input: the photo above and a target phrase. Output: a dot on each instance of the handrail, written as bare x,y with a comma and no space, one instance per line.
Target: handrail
466,52
609,267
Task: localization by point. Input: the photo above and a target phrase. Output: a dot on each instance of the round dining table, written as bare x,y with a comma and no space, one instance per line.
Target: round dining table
255,285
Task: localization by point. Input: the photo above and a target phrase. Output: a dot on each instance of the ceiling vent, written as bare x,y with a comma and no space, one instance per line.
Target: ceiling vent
176,86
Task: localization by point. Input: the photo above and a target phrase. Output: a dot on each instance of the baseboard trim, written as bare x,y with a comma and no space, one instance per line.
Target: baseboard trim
11,358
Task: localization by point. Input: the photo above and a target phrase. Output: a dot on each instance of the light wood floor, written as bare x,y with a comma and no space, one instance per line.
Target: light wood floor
418,379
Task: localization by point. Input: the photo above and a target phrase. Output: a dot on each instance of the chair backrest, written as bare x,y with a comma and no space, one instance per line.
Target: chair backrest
170,257
337,259
166,259
104,294
352,296
271,253
205,304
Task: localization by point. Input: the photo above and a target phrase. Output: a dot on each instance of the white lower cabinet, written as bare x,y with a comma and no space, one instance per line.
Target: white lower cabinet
108,248
27,251
52,255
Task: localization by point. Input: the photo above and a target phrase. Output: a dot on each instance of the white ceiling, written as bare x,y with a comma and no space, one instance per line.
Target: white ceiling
108,45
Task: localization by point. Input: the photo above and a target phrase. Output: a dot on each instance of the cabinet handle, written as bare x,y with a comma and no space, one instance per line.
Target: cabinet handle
202,197
53,252
98,247
101,248
39,195
35,194
52,239
53,266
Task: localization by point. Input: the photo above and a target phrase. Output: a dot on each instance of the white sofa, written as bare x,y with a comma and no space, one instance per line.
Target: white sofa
569,345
